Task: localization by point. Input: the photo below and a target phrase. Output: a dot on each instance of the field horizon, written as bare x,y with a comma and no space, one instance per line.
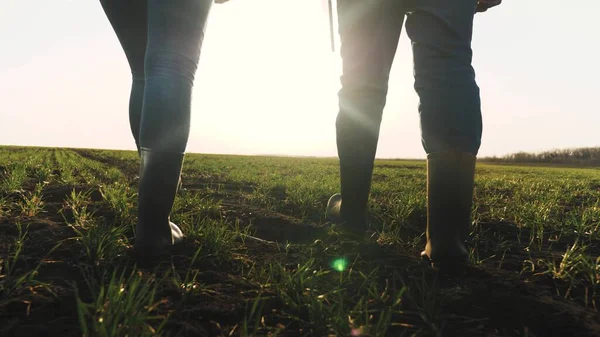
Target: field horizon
577,157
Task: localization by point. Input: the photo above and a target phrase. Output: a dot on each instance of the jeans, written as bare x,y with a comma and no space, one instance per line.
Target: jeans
162,42
440,31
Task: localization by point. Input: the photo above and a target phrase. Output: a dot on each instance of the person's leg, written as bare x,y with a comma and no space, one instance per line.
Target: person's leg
128,19
369,32
175,35
451,123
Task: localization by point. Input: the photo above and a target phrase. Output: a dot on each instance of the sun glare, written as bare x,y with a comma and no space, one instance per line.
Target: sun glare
272,77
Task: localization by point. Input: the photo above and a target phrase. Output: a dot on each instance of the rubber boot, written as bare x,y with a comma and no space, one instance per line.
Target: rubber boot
357,134
450,183
352,213
139,151
159,180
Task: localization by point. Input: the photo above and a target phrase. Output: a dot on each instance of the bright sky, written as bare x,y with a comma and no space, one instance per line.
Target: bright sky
267,81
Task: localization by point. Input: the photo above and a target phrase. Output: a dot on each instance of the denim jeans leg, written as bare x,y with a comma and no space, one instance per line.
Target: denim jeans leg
450,106
175,34
369,32
128,19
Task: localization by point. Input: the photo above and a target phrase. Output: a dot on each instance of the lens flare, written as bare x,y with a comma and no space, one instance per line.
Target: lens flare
339,264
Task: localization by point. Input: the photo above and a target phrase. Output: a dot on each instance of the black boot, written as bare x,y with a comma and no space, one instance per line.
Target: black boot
450,182
139,151
357,135
352,213
159,179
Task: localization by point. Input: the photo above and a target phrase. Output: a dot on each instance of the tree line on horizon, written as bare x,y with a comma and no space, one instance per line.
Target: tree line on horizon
588,156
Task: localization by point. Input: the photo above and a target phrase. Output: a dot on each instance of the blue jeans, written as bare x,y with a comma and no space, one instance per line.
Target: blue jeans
450,107
162,42
440,31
